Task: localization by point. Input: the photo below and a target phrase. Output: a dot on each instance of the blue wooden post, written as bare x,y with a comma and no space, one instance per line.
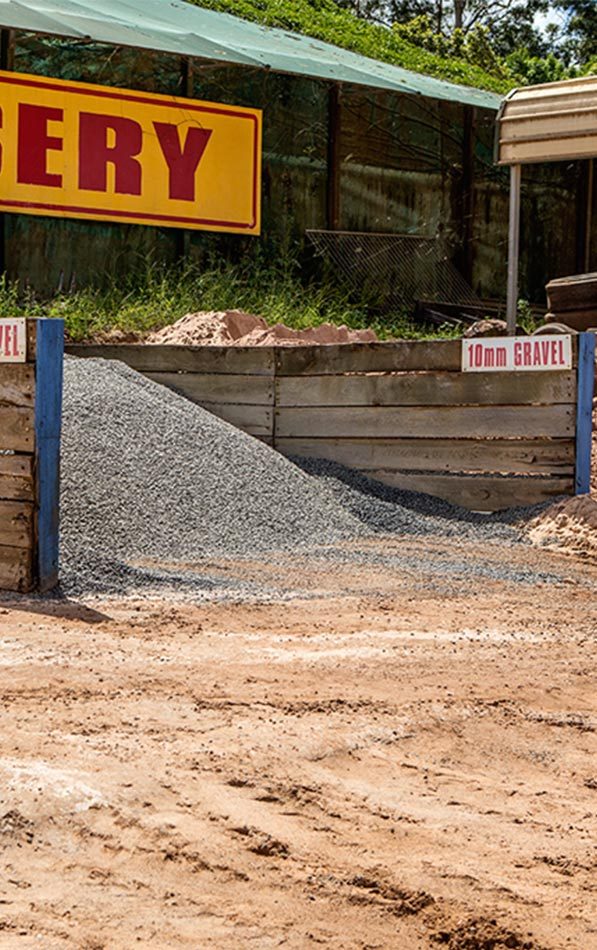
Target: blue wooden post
584,412
48,416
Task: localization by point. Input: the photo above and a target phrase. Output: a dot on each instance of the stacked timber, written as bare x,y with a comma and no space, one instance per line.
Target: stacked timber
402,413
573,301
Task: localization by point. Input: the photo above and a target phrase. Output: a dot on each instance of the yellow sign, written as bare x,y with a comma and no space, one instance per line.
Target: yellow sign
74,150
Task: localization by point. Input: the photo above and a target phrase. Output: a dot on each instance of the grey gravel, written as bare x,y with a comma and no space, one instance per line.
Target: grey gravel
153,486
148,475
387,510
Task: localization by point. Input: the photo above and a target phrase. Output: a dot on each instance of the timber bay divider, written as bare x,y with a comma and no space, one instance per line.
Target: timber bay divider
402,413
30,415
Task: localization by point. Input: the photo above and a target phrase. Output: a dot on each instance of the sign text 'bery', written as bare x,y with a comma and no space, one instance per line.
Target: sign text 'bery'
86,151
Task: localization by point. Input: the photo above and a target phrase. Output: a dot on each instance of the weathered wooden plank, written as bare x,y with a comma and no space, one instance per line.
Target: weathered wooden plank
15,568
420,355
368,357
576,319
516,456
16,465
479,493
473,422
256,420
219,388
17,488
16,477
255,360
427,389
17,384
31,340
578,292
16,523
16,429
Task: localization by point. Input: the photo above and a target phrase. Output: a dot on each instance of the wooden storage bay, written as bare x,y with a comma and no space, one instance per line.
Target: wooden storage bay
403,413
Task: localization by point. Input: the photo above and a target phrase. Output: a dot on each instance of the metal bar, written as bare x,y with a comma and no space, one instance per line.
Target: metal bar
7,45
584,412
589,218
513,249
465,257
182,239
7,49
333,159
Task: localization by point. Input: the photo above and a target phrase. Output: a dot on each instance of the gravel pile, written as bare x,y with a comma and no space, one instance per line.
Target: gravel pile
386,510
152,484
150,478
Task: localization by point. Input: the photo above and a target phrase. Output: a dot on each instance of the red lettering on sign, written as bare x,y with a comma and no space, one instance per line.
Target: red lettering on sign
561,351
7,336
517,354
95,153
182,162
34,143
554,352
526,354
489,357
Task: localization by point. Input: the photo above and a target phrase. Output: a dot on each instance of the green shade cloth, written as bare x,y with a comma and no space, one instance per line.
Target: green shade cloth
173,26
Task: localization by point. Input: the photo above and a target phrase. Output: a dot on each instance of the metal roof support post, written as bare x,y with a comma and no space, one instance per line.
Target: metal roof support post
513,249
182,238
7,49
333,159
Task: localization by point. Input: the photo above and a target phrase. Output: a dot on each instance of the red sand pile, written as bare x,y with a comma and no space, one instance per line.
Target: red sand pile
236,328
570,525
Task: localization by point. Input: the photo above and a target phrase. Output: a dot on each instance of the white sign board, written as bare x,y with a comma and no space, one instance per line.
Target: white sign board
517,354
13,340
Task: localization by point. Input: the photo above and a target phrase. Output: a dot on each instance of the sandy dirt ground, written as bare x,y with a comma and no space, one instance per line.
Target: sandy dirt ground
383,760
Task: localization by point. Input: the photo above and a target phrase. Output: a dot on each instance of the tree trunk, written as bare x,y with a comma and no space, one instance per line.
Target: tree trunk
459,6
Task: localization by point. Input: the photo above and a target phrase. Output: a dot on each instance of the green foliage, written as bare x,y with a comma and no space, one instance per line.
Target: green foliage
160,296
325,20
579,42
529,70
525,316
474,46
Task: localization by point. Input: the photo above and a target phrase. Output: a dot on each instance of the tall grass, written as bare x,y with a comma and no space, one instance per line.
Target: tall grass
159,296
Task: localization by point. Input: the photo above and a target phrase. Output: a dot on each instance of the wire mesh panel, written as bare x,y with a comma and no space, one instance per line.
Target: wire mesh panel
396,269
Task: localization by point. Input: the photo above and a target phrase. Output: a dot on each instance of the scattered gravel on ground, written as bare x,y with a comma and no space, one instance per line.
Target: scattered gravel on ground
153,486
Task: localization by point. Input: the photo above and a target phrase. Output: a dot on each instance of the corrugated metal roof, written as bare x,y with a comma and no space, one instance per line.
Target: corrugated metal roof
549,123
177,27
